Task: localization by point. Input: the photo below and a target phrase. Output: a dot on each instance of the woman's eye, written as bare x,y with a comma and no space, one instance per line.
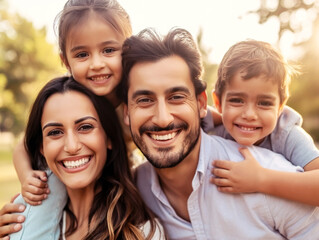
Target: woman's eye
81,55
86,127
55,132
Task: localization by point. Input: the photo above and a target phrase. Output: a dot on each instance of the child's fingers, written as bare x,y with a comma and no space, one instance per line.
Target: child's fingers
32,199
40,175
222,164
37,183
35,190
220,182
220,172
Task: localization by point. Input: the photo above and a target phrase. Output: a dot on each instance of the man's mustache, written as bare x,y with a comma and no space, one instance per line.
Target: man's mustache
169,127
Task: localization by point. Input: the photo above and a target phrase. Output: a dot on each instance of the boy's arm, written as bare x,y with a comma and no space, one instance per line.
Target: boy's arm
249,176
34,186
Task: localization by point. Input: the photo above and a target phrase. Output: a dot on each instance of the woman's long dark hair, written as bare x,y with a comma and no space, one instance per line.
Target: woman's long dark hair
117,210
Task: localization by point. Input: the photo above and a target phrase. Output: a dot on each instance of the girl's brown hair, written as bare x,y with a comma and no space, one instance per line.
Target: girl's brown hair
75,11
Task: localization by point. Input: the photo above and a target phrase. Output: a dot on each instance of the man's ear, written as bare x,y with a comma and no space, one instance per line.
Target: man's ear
126,117
202,104
216,102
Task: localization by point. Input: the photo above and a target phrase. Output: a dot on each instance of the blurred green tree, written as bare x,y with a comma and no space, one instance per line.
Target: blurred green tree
299,20
27,61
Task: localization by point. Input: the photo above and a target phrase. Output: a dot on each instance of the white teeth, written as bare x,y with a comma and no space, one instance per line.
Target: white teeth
77,163
247,128
100,78
163,137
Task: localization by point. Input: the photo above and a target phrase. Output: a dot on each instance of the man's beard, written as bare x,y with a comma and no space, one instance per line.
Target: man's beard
164,158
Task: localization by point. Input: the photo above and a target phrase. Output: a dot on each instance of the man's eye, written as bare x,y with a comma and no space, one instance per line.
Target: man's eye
81,55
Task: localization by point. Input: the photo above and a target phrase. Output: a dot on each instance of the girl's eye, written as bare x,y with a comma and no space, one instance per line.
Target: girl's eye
55,132
81,55
86,127
108,50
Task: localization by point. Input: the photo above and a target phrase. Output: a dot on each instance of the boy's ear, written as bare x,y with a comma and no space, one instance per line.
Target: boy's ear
126,117
216,102
202,104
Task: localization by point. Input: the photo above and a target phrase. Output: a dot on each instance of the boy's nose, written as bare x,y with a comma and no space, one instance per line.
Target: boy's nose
249,113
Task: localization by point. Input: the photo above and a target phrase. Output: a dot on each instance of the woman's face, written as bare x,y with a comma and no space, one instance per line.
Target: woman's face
74,142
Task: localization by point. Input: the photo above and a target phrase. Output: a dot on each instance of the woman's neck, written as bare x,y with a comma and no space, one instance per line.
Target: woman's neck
80,204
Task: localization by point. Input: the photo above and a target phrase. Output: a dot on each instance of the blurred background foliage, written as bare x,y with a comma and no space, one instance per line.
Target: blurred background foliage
298,21
28,60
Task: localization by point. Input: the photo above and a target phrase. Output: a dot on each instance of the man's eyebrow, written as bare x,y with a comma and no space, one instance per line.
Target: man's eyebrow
141,92
177,89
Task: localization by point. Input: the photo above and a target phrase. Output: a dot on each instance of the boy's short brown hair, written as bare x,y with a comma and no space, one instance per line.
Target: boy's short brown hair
254,58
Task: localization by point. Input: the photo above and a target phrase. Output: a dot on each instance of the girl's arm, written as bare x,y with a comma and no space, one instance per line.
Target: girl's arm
34,186
248,176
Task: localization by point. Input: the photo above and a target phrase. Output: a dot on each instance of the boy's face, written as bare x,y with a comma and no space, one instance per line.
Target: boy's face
250,108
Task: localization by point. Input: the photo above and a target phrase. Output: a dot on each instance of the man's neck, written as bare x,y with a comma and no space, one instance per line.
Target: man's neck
176,182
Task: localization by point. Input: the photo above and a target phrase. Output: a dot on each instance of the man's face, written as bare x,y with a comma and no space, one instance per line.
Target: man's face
163,111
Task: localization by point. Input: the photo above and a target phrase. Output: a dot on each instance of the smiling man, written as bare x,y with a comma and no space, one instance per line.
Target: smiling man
165,101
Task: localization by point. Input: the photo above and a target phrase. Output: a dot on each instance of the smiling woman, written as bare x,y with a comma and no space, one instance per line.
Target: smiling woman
77,135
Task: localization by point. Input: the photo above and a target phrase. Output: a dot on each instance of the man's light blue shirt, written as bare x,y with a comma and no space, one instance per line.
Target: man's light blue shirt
216,215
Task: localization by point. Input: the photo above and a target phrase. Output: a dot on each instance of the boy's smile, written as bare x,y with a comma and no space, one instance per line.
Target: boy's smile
250,108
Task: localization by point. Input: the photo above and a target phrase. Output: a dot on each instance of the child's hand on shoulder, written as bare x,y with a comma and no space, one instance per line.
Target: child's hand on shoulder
34,187
237,177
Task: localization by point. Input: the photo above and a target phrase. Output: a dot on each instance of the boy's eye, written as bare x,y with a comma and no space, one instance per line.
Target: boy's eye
81,55
235,100
266,103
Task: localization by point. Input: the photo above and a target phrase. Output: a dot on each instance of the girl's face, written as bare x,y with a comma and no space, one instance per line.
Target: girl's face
74,142
93,52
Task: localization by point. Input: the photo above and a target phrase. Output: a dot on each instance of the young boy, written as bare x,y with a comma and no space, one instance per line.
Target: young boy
250,93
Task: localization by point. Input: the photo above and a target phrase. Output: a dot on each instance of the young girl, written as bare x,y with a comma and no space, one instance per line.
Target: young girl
78,136
91,34
250,93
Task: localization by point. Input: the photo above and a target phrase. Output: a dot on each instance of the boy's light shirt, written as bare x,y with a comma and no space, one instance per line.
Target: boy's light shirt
288,138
